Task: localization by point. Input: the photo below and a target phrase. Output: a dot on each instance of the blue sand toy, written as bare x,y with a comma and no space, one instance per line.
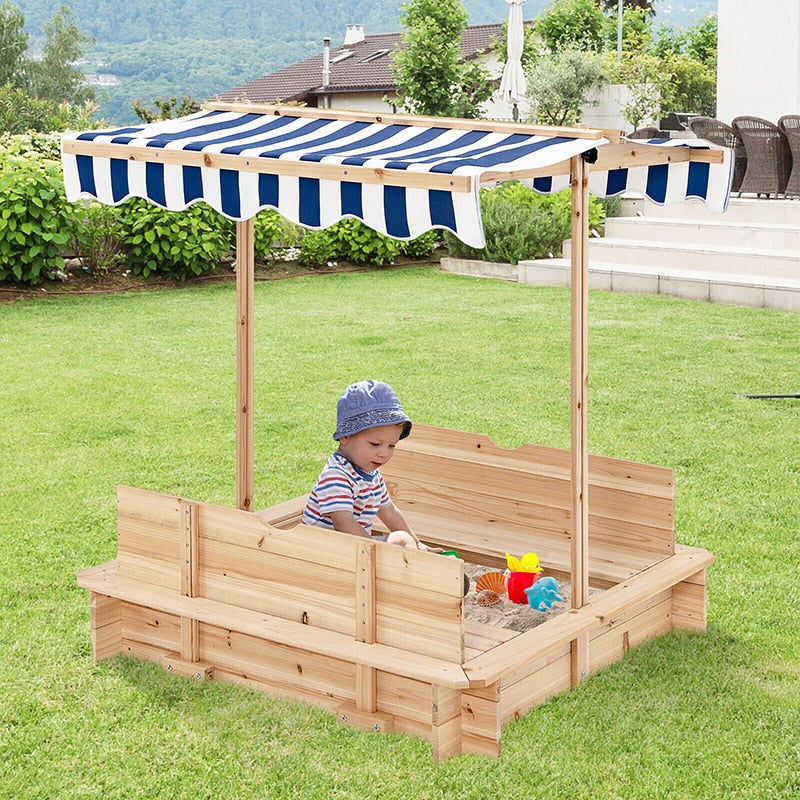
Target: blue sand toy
543,594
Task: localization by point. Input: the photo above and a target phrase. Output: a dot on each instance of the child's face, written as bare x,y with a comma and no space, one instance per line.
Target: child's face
372,448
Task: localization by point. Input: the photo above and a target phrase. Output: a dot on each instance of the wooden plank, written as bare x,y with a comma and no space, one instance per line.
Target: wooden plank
148,535
551,676
446,722
303,543
480,716
626,155
351,714
599,612
106,626
389,658
286,514
407,700
512,497
454,123
156,628
292,694
634,626
316,609
689,604
190,669
278,666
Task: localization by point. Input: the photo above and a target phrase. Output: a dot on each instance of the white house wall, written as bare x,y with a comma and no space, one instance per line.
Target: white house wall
758,68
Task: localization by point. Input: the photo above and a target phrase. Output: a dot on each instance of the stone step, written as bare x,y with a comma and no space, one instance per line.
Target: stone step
740,209
690,284
711,232
777,264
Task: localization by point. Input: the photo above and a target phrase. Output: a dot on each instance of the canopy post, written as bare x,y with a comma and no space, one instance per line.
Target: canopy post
579,554
580,381
245,364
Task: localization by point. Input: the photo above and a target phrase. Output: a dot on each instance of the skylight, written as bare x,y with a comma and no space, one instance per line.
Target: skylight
341,56
373,56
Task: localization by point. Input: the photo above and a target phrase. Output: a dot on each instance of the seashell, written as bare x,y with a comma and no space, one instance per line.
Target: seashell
487,597
495,581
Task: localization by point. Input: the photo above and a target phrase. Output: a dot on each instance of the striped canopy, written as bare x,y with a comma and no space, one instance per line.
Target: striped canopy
400,175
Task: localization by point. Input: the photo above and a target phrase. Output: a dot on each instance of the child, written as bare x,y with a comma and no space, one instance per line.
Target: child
349,492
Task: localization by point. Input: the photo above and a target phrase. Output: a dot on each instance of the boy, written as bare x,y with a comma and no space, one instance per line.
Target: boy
349,492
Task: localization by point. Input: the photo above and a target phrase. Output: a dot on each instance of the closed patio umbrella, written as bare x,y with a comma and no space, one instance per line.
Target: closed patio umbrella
513,83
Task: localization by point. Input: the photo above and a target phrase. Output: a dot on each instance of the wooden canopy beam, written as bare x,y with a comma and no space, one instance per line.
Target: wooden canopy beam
454,123
271,166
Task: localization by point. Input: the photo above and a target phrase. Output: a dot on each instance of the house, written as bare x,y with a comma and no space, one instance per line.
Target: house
758,65
357,75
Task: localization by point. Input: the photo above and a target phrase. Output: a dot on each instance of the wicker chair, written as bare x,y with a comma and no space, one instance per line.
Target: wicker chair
643,133
717,132
790,125
769,160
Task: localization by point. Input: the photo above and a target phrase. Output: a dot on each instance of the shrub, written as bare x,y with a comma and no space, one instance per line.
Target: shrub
347,240
272,234
173,244
520,224
351,240
34,219
422,246
97,235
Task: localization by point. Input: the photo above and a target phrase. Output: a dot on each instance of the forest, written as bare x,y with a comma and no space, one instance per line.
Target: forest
197,48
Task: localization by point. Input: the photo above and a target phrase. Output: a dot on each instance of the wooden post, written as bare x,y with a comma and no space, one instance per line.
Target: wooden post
579,555
580,381
190,629
245,364
366,677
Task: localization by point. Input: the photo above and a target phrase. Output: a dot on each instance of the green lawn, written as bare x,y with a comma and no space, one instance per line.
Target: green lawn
138,388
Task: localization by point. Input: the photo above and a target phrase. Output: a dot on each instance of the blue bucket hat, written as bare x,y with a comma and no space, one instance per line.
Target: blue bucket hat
369,404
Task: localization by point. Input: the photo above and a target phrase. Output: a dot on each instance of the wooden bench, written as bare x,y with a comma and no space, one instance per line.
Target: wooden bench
375,633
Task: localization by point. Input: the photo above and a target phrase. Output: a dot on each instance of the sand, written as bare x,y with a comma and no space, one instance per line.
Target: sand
510,615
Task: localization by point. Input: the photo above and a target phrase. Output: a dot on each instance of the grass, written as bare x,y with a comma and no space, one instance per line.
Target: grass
139,389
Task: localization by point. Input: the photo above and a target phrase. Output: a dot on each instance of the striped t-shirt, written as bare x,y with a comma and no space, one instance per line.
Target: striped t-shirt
342,486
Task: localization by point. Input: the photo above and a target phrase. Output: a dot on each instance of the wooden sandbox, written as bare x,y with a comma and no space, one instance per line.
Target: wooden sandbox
375,633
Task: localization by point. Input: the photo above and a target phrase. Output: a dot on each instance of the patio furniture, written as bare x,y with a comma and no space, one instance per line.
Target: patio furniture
769,160
717,132
790,125
677,121
643,133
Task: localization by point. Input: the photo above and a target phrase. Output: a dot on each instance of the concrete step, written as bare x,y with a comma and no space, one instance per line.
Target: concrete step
689,284
719,232
740,209
773,264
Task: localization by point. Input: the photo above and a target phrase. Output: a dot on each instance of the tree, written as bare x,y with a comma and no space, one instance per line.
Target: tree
53,77
165,108
430,75
573,25
559,82
13,45
42,94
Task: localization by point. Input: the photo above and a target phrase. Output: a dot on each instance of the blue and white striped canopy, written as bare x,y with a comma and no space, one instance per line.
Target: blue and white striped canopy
399,178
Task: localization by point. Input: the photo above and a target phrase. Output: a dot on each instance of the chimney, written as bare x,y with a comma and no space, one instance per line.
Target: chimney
326,69
354,35
326,61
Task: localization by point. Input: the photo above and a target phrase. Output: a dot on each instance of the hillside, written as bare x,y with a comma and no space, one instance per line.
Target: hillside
161,48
